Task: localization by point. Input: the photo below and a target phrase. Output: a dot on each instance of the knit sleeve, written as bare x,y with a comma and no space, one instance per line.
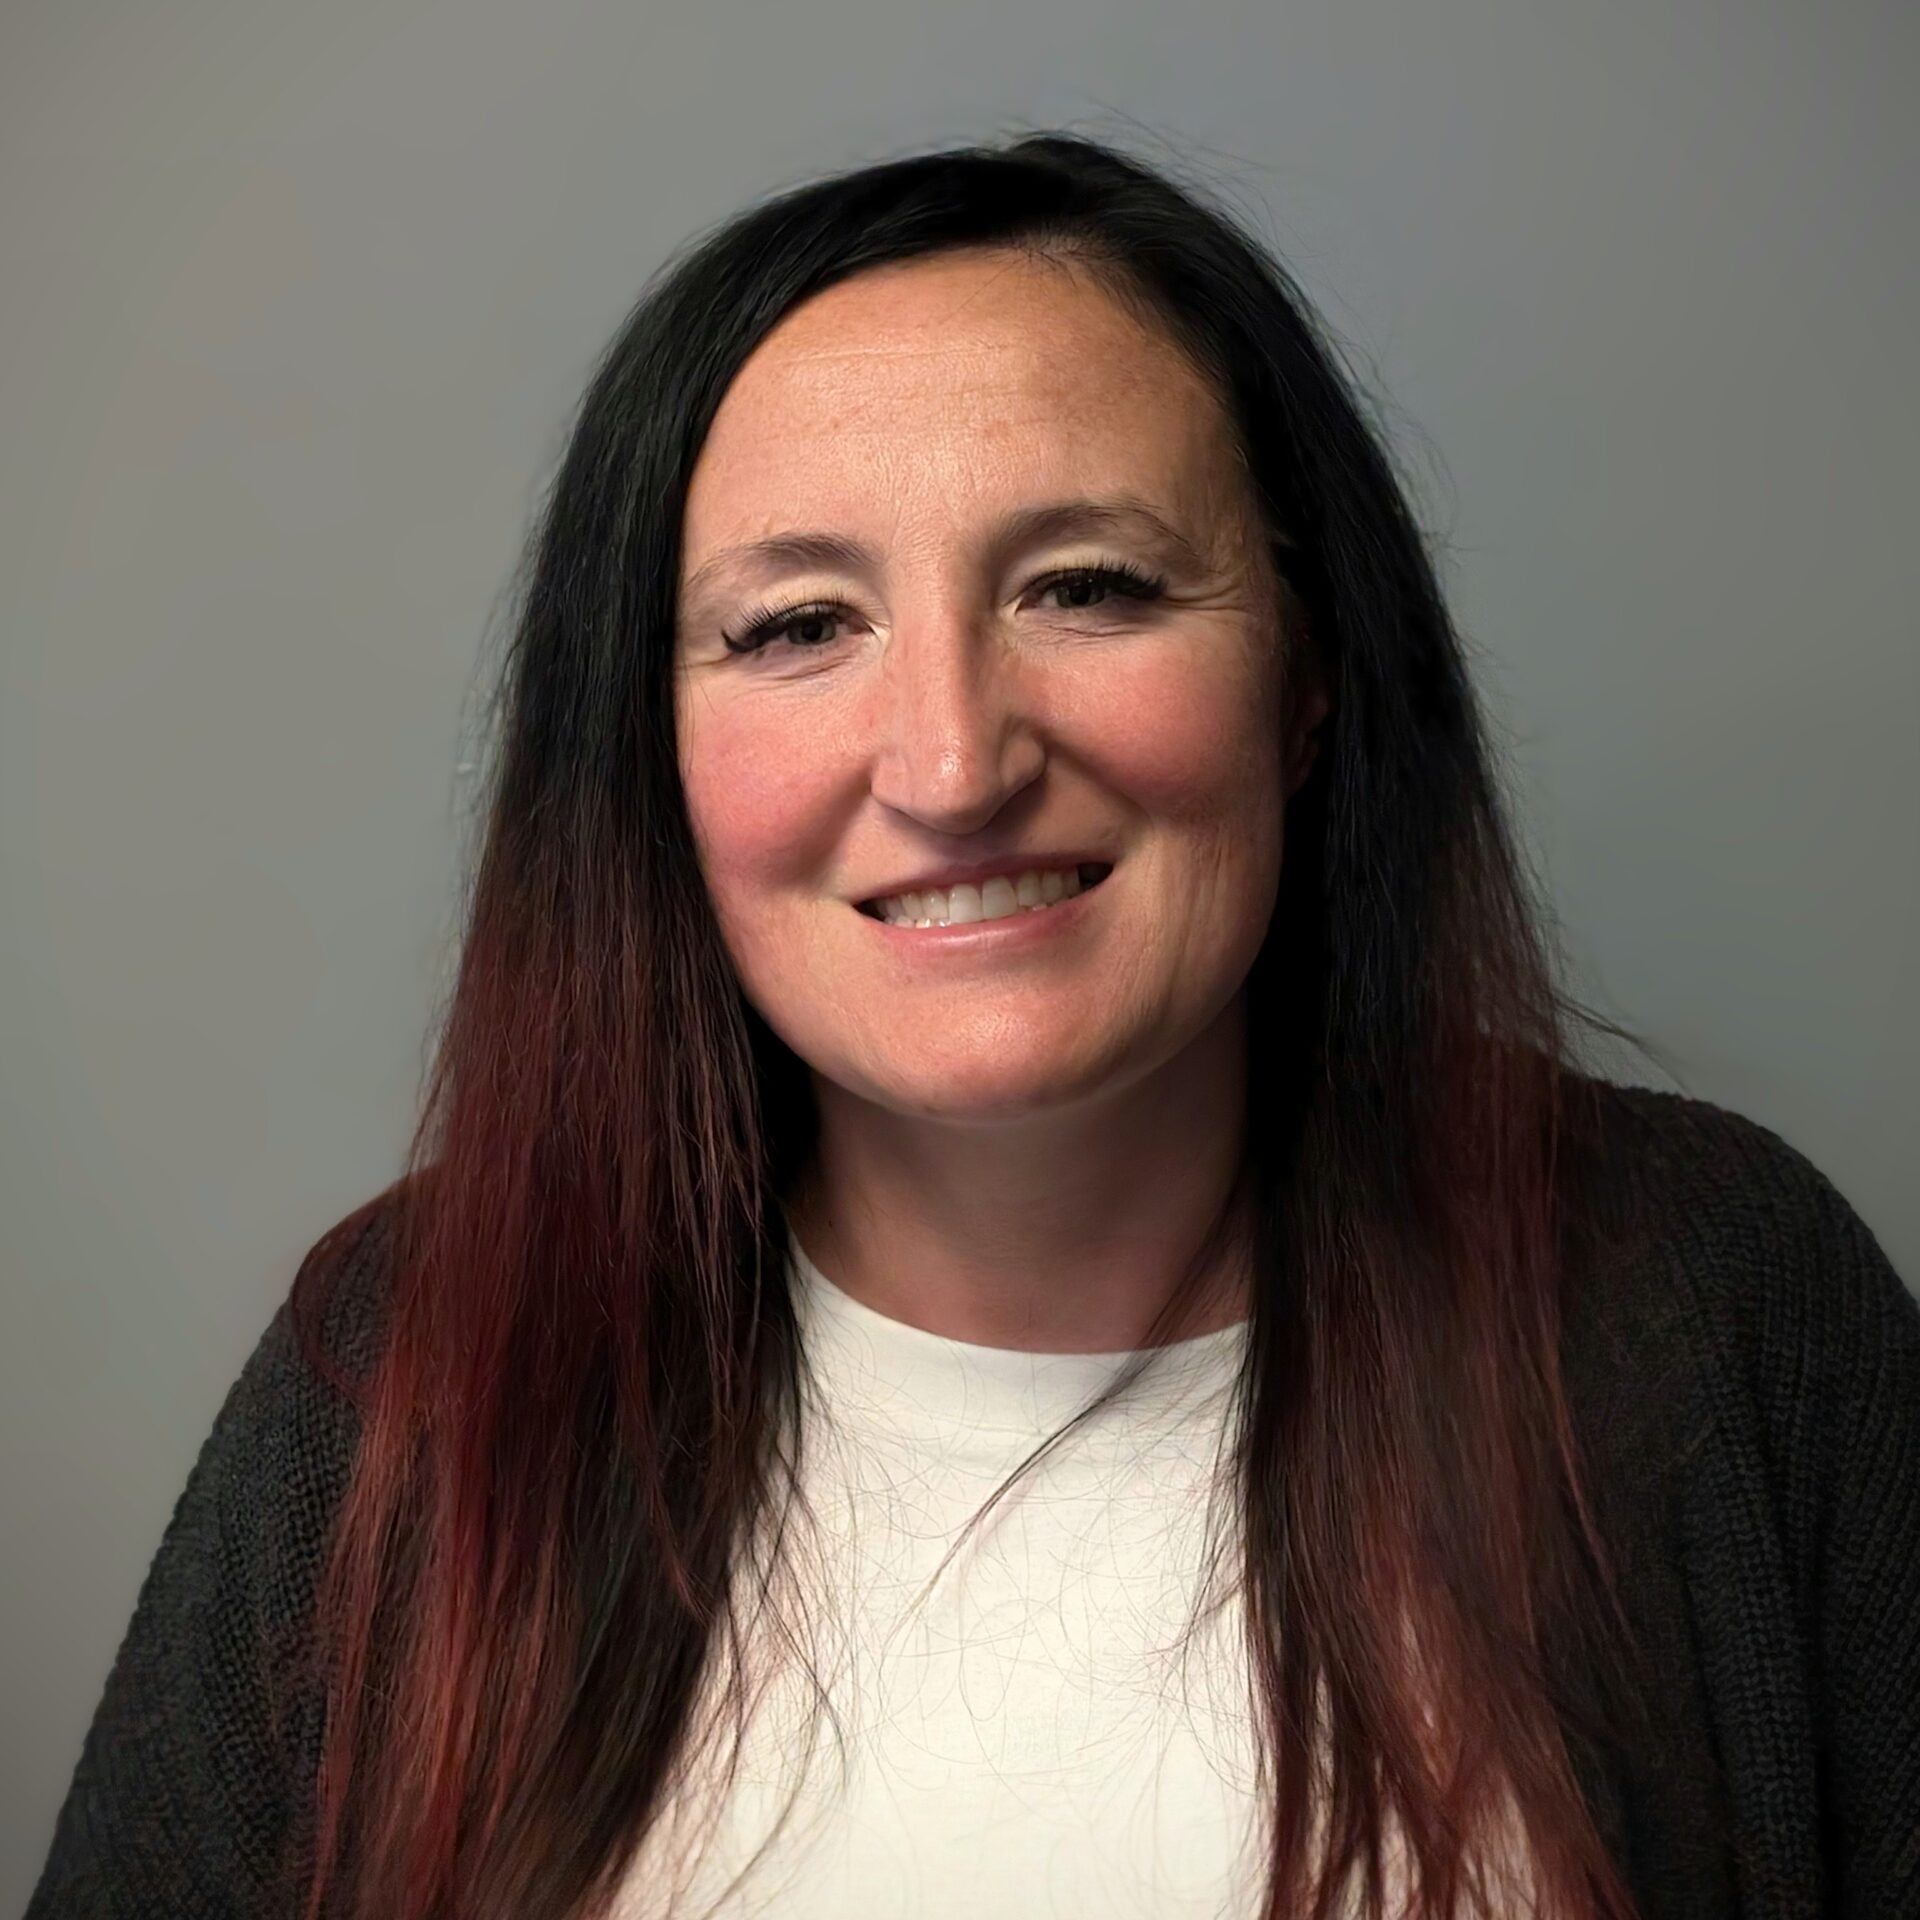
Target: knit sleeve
181,1802
1859,1525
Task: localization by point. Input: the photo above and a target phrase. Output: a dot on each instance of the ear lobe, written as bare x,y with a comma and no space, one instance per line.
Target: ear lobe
1311,707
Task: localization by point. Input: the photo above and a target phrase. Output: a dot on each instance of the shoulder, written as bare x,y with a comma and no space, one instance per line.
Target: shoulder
282,1447
1775,1363
209,1724
1691,1151
293,1418
1768,1243
235,1589
328,1330
1752,1303
253,1521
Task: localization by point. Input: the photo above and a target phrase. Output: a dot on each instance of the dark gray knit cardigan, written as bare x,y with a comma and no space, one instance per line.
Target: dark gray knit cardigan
1748,1389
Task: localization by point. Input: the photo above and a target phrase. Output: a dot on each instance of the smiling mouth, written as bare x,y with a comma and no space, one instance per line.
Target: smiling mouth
1089,874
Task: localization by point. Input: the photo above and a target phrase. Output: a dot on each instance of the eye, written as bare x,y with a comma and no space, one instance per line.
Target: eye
769,623
1113,576
787,623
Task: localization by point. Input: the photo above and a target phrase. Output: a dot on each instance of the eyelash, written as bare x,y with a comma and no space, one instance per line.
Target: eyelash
764,623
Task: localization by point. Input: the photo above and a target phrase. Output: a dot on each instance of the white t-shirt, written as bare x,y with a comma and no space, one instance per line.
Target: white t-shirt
1024,1739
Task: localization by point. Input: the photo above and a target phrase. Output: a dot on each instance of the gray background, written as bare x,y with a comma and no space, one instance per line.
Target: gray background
295,303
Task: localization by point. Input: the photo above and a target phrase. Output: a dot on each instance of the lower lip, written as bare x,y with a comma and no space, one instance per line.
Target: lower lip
1010,930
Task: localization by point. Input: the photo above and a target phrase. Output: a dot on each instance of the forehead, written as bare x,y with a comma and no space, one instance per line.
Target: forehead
949,383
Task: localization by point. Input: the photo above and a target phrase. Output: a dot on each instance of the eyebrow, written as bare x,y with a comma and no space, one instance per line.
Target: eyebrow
1027,526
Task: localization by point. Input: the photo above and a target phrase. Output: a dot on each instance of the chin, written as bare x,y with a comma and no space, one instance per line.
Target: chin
980,1089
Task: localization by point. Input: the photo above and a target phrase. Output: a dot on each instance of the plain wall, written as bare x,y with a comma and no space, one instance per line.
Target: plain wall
295,303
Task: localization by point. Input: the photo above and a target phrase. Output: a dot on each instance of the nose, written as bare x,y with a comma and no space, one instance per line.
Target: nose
954,738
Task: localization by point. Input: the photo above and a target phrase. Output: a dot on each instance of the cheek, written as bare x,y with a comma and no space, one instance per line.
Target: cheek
1191,748
759,798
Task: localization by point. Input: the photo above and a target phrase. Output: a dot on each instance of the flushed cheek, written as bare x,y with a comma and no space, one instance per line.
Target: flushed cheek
1191,752
763,806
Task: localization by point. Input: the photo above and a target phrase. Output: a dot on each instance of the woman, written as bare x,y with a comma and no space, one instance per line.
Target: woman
1011,1296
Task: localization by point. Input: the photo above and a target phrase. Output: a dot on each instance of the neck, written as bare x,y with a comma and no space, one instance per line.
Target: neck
1057,1232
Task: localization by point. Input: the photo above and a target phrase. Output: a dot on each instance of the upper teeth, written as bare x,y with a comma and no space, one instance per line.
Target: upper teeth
991,900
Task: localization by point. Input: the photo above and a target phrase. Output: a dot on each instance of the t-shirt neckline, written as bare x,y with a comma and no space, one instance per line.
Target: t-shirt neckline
879,1371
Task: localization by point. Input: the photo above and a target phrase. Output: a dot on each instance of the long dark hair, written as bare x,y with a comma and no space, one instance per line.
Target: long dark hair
588,1342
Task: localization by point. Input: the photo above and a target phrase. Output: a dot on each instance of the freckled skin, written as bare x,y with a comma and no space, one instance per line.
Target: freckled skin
1072,1109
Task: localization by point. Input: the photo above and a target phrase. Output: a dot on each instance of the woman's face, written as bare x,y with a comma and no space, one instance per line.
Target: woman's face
951,695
